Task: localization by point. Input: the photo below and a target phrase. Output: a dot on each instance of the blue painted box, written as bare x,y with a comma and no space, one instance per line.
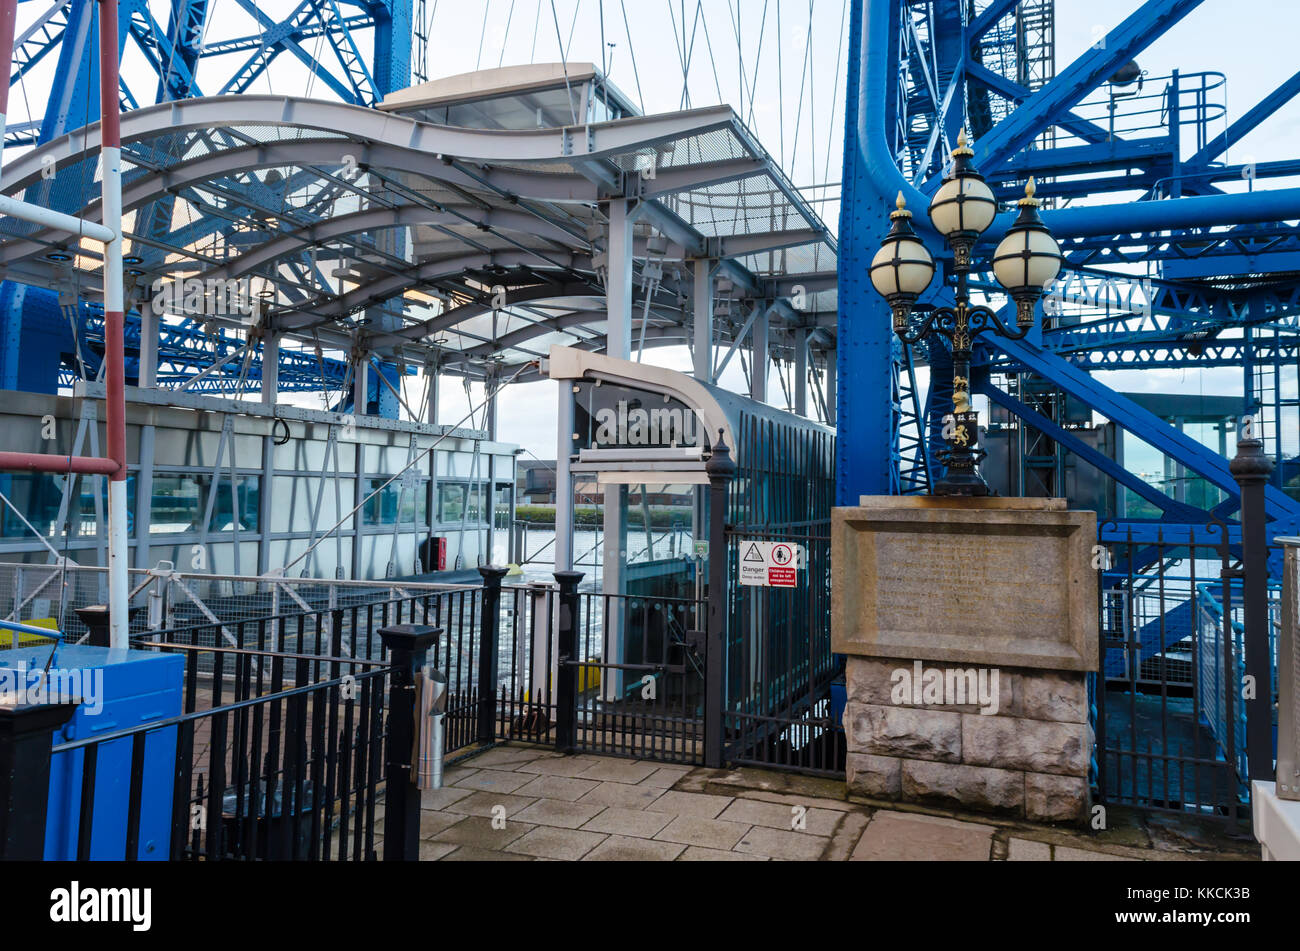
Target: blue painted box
122,689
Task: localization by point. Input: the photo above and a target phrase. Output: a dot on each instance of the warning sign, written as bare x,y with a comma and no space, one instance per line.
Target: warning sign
753,563
770,564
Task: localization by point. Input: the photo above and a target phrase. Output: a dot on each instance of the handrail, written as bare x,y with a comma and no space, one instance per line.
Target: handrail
155,725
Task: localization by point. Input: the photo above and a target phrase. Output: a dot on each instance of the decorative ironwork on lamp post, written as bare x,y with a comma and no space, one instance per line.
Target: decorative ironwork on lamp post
1025,262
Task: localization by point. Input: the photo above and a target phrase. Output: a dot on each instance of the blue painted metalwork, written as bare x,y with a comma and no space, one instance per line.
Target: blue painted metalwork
1224,290
37,350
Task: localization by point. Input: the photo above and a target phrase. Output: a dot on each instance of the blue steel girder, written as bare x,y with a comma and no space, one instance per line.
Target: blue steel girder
160,50
1140,422
1250,121
1244,249
1211,354
35,42
1172,509
1051,104
277,38
184,41
1236,242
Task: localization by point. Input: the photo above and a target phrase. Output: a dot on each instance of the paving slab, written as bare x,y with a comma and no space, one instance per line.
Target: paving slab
467,853
1027,850
556,787
508,757
482,832
695,830
620,771
454,774
777,815
431,823
444,797
560,765
1066,854
550,843
700,805
558,812
621,848
908,837
780,844
621,794
791,799
698,853
484,804
432,851
637,823
665,776
846,835
493,780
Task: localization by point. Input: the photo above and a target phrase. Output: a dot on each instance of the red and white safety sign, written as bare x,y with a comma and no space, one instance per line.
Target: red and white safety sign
770,564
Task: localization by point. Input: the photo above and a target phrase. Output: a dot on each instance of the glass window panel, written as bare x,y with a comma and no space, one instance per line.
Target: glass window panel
391,504
180,499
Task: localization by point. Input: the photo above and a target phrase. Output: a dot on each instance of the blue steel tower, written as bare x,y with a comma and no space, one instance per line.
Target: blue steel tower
1197,272
357,51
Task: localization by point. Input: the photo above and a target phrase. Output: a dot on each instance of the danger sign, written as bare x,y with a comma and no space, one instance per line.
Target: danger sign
770,564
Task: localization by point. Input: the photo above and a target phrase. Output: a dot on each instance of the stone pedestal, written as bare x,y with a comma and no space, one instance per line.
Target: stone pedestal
970,626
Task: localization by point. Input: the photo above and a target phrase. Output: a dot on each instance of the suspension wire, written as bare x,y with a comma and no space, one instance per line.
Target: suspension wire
812,104
679,42
487,8
708,43
510,15
568,45
758,58
740,56
564,63
780,83
632,49
835,88
803,80
428,32
537,18
396,475
31,528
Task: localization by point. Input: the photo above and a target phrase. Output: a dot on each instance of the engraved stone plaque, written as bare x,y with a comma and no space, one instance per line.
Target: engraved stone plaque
985,583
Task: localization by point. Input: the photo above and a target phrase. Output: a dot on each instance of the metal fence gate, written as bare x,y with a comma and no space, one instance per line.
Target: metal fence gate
1170,715
632,680
779,707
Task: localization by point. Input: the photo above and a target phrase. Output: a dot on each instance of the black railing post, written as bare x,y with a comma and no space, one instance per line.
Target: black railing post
720,469
488,648
407,646
566,651
1251,468
26,735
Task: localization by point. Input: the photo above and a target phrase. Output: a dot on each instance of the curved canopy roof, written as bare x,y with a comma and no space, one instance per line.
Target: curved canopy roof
364,230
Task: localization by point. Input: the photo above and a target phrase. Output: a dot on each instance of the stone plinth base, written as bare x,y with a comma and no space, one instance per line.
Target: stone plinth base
1026,757
970,626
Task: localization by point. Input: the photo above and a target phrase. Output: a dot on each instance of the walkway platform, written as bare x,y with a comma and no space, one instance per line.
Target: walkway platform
522,803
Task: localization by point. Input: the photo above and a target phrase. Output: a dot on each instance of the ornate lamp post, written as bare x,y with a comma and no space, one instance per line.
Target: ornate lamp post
1025,263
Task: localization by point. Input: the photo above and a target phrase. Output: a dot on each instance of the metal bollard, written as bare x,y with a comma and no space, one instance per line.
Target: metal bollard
433,699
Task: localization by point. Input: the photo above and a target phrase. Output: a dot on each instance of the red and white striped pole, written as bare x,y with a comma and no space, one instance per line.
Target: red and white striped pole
114,356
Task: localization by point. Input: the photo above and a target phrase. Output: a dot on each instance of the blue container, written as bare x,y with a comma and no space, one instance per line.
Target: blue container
127,688
839,700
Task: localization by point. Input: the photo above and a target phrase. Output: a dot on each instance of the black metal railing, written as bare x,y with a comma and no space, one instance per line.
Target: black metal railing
1184,704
